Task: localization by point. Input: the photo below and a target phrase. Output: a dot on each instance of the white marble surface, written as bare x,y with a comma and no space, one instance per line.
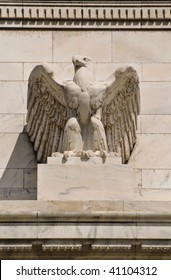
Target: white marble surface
152,194
155,98
14,97
148,206
25,46
140,46
156,72
88,230
67,43
9,231
104,70
153,231
86,181
152,152
11,71
158,124
62,71
11,123
157,179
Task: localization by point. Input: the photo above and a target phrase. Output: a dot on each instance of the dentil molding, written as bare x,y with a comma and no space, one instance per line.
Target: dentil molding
119,15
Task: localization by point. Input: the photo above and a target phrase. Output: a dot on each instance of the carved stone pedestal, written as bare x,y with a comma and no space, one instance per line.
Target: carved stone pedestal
93,179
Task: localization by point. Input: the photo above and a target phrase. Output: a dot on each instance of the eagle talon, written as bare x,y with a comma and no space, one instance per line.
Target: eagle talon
89,154
66,155
103,154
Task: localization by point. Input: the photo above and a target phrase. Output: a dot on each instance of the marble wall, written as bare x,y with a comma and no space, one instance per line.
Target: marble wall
147,51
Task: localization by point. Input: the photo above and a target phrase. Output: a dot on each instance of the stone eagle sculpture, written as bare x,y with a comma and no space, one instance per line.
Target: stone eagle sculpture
83,117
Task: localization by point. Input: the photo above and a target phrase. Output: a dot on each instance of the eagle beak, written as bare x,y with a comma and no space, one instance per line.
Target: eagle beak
77,61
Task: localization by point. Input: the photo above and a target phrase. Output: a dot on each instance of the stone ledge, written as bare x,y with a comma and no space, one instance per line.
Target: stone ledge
34,212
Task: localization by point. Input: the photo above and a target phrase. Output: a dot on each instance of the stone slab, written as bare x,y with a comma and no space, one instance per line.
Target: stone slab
152,194
155,98
11,71
18,231
96,181
48,208
16,151
157,179
155,124
11,123
78,230
159,72
104,70
18,194
23,46
153,231
68,43
152,151
30,179
14,96
148,206
141,46
11,178
63,71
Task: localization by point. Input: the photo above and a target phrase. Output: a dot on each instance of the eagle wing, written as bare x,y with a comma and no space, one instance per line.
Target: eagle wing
120,110
47,112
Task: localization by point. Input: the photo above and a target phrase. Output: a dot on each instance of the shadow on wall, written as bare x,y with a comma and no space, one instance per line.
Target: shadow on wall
19,177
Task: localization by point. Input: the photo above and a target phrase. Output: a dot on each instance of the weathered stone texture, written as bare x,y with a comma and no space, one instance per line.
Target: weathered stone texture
148,52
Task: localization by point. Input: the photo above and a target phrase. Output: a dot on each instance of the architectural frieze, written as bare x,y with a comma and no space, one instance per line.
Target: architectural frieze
85,14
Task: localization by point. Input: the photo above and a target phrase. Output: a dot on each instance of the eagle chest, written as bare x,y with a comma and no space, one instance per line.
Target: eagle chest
84,109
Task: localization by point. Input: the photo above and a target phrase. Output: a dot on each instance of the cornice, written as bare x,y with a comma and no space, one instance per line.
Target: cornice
37,216
78,249
120,15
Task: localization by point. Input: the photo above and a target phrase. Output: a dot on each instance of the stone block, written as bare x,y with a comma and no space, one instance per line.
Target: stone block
77,231
155,98
141,46
16,151
152,151
159,72
155,123
30,178
147,206
11,71
18,231
153,195
62,71
11,122
153,231
11,179
104,70
157,179
14,97
17,194
96,45
23,46
84,181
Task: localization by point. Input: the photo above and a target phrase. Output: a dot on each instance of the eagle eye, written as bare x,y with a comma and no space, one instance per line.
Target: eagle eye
86,59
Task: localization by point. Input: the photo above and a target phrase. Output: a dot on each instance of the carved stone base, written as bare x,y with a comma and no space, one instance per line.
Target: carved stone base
92,179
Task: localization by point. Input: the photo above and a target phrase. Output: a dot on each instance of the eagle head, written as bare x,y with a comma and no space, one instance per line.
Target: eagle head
84,72
82,61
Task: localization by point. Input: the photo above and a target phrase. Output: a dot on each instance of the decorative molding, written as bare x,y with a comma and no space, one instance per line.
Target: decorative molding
68,15
130,249
59,247
38,217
